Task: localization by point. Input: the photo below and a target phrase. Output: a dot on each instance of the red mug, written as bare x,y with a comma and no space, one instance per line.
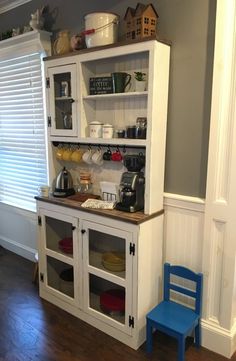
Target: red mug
116,156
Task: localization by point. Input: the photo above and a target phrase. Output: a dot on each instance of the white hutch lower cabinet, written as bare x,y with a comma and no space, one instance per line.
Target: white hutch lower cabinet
74,276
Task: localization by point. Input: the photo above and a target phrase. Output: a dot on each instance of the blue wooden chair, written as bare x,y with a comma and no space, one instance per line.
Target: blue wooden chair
175,319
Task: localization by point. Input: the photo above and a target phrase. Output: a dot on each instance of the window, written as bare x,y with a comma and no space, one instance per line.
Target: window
23,161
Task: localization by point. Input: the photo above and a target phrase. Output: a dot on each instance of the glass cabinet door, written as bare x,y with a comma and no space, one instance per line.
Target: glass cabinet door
108,268
60,256
61,84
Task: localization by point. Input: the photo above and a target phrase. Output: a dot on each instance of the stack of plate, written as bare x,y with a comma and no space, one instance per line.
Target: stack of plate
112,301
66,245
114,261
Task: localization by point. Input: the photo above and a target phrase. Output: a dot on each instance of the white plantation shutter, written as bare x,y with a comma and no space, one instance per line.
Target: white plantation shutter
23,163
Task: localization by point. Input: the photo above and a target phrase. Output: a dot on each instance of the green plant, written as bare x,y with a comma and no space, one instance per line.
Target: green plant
139,75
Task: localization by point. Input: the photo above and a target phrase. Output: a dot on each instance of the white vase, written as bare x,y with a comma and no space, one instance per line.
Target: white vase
140,85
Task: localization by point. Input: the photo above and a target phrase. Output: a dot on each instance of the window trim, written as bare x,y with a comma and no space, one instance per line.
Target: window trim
32,41
11,4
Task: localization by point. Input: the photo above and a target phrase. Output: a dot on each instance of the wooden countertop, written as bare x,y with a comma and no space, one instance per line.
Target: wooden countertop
114,45
135,218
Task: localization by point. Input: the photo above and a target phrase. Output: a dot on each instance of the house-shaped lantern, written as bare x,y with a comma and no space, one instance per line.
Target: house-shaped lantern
140,22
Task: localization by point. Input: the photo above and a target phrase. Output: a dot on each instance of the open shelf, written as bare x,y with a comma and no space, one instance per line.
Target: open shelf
116,95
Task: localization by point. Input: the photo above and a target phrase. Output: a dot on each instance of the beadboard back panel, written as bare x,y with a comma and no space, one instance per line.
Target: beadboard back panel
183,231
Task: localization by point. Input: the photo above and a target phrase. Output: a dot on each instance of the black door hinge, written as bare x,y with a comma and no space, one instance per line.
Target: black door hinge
47,83
39,221
83,231
132,248
49,121
41,277
131,321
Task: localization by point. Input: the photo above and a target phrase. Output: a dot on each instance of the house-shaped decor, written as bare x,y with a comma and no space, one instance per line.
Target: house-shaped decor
140,22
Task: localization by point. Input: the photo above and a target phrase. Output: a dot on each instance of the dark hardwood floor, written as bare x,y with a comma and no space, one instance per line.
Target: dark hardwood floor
32,329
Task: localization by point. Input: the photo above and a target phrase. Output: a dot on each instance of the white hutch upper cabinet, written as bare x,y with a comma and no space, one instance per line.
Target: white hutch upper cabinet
70,112
62,100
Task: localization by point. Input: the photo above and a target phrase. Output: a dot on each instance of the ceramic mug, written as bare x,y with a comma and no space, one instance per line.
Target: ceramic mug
107,155
97,157
59,152
120,81
76,156
116,156
44,191
87,156
67,154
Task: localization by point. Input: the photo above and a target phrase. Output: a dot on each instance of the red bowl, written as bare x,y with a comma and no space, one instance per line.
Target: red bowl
113,300
66,245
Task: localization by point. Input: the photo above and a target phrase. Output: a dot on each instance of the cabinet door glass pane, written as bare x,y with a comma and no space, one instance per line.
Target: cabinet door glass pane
107,252
107,298
63,100
59,236
60,276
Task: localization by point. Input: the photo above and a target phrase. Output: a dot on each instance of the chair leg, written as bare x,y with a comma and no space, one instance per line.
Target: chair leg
149,337
181,349
198,335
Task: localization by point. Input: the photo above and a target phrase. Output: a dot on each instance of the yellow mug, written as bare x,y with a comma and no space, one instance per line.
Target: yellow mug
67,154
76,156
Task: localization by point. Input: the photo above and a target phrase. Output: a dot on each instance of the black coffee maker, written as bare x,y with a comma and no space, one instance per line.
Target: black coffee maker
132,184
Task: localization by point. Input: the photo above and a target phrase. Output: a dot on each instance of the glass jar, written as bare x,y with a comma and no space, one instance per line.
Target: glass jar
85,181
141,127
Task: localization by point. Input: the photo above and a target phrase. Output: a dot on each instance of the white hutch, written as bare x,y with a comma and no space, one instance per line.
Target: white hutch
138,236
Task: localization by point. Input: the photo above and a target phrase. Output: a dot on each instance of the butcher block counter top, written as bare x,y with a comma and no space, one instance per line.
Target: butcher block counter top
71,202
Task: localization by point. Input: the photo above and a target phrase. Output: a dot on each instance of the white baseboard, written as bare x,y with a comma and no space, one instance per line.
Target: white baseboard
218,339
18,248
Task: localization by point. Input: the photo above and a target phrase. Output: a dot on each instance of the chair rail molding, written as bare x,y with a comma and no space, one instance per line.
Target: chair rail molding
6,5
219,246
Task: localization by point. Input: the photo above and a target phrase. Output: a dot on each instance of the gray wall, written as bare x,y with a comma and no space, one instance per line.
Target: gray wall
189,25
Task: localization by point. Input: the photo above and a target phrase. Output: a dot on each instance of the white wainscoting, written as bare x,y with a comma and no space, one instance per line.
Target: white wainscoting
183,230
18,231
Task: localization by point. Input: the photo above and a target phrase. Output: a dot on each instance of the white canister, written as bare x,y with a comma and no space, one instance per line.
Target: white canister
95,129
107,131
101,28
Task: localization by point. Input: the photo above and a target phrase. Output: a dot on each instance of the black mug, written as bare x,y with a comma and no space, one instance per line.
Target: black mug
107,155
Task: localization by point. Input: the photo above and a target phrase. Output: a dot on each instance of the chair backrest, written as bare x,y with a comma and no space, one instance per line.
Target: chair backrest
184,273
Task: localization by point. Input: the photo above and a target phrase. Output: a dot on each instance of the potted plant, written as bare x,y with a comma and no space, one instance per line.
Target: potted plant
140,81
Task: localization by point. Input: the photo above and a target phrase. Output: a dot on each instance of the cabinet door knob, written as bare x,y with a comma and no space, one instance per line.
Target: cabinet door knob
83,231
73,228
72,100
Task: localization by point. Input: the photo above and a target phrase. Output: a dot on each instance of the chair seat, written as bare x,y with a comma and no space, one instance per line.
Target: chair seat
174,316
